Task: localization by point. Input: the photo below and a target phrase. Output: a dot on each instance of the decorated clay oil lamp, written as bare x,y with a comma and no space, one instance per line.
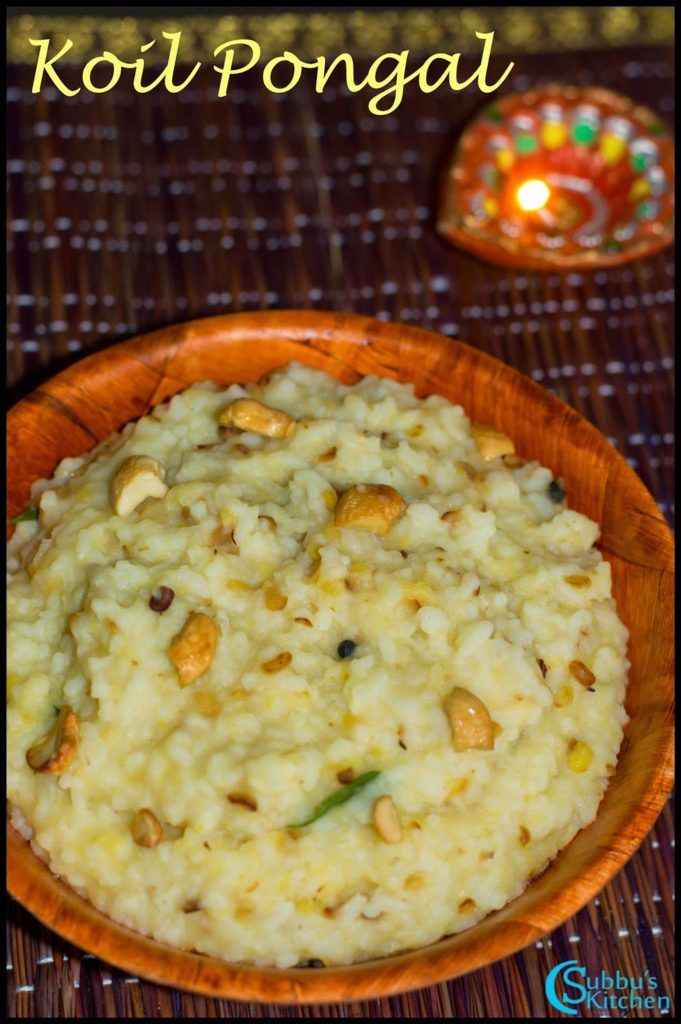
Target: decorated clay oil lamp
561,178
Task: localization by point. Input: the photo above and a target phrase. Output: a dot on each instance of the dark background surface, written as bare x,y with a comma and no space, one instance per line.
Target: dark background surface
125,215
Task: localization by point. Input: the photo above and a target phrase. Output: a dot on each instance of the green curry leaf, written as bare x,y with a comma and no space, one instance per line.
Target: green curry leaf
27,516
337,798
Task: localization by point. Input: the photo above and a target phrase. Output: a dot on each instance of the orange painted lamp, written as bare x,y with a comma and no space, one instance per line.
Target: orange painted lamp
560,178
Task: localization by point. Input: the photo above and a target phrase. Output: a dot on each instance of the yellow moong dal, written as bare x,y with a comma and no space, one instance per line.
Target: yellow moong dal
246,640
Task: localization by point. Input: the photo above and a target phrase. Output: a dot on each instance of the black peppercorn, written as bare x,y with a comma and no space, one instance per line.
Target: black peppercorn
557,491
346,648
161,599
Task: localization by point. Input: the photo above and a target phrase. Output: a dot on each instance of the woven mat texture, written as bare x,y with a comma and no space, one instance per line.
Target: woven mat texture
126,215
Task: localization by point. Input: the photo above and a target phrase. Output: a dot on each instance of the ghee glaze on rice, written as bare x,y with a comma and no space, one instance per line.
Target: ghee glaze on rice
301,671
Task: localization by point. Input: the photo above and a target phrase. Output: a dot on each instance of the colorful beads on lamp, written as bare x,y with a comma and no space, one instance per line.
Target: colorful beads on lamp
640,189
523,129
614,140
643,154
503,154
553,131
585,125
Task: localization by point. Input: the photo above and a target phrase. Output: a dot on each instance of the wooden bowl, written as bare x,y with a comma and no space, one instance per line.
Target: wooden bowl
100,394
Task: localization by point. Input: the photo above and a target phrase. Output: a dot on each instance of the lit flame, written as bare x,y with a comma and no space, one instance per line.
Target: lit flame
533,195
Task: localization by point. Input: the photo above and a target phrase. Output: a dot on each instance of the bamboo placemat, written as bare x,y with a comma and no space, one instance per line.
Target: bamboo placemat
125,215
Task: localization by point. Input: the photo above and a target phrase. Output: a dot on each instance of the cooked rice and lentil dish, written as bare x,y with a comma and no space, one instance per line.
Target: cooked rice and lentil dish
302,672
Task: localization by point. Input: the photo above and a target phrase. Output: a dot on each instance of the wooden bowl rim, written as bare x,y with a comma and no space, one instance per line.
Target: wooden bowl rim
79,922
